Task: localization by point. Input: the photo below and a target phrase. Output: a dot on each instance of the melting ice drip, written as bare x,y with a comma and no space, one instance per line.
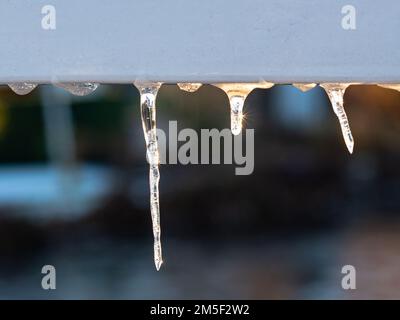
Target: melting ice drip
237,93
148,94
189,87
78,88
335,93
22,88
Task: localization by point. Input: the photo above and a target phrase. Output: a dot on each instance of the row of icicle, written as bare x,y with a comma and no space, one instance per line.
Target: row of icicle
237,94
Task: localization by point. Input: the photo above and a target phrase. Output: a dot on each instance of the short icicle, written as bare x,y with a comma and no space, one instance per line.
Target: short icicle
189,87
335,92
237,93
148,93
392,86
304,86
22,88
78,88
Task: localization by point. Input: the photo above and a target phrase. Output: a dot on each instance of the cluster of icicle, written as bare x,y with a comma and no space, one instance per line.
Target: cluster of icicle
237,94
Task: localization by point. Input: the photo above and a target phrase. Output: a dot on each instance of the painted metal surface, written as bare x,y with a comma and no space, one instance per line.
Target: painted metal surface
281,41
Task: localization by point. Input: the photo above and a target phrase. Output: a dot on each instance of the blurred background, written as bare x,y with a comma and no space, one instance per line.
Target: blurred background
74,194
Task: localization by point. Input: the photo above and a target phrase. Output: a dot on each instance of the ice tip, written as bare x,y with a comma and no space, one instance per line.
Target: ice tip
158,264
350,147
236,131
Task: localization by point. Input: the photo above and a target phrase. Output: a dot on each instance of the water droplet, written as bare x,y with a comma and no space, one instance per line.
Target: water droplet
390,86
335,92
22,88
148,93
237,93
304,86
189,87
78,88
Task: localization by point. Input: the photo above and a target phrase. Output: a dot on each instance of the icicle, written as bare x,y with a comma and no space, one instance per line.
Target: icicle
148,93
189,87
335,93
237,93
390,86
22,88
304,86
78,88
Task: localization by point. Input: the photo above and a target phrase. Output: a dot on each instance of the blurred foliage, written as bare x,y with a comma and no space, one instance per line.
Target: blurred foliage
22,131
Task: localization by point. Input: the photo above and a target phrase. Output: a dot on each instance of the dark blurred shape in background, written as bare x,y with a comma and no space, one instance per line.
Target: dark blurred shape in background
74,194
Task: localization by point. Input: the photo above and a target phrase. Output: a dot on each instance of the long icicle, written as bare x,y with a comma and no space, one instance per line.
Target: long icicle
335,92
148,93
